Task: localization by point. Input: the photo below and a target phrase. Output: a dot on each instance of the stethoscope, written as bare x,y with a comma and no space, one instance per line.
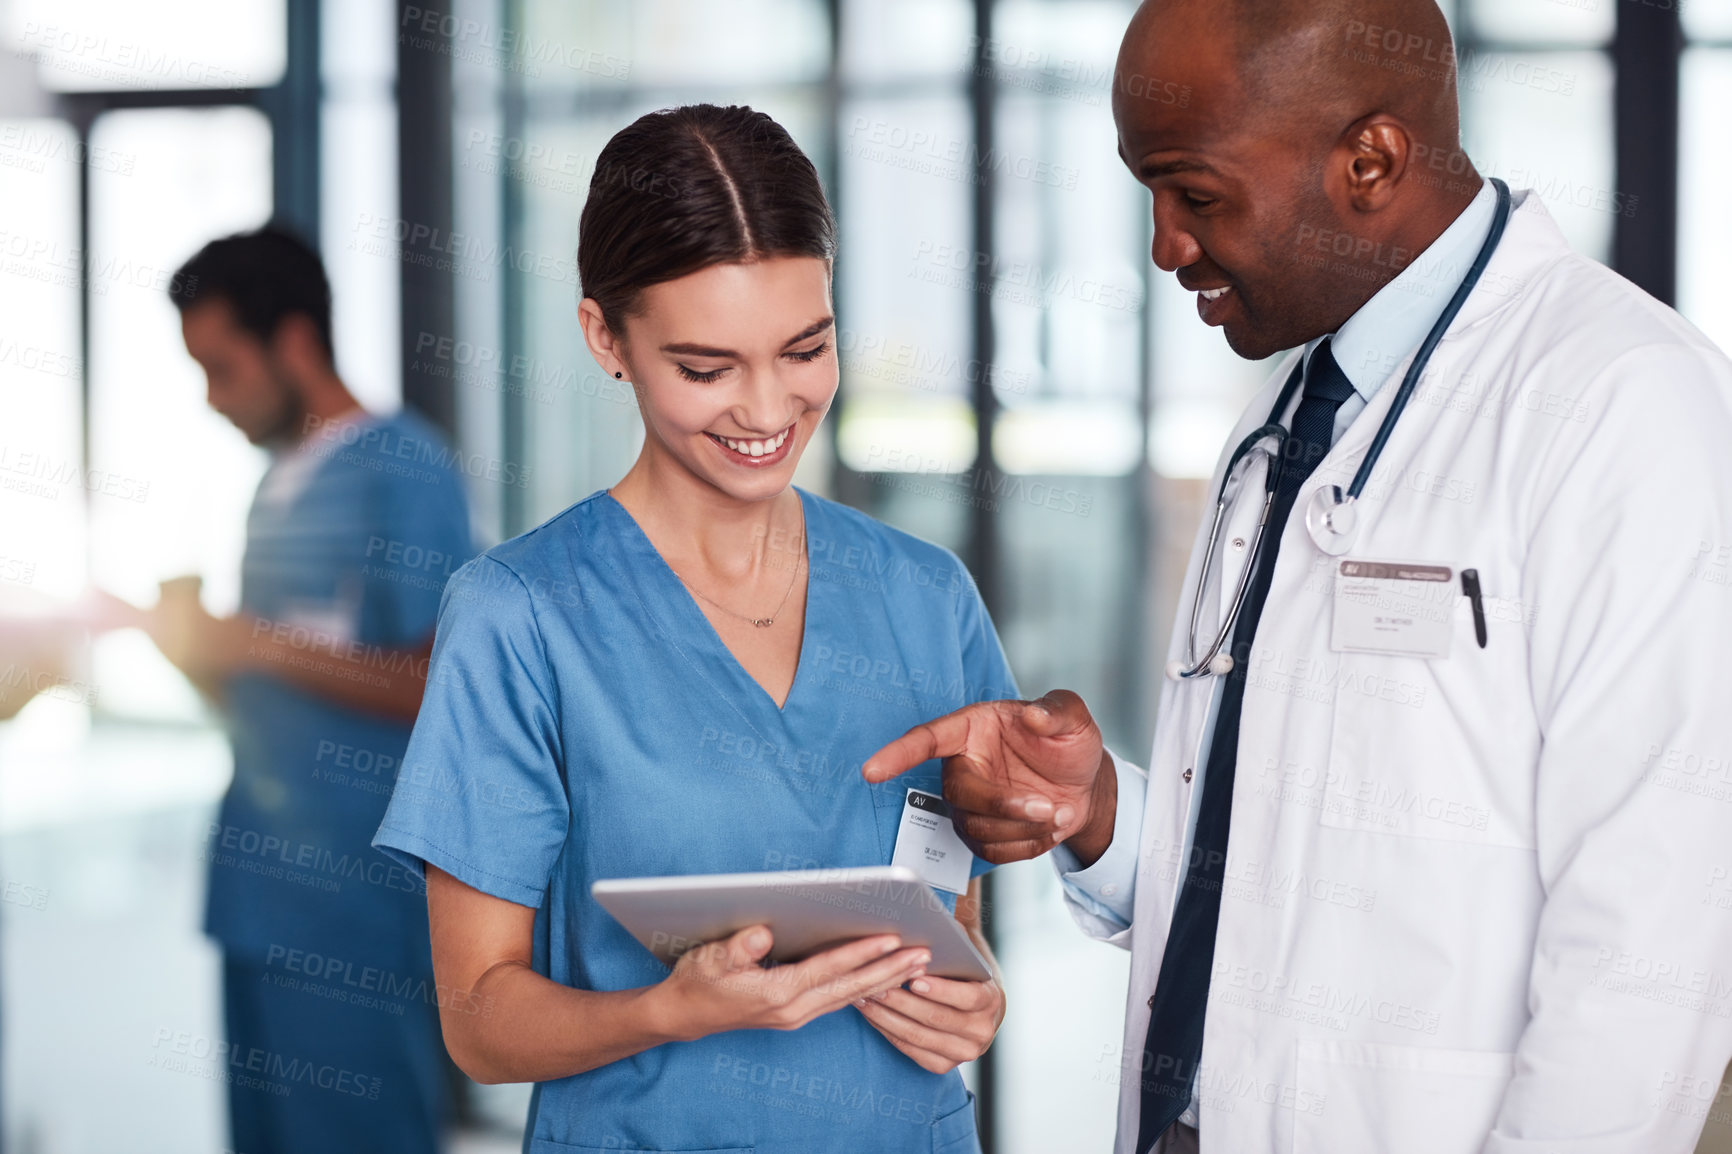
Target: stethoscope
1331,516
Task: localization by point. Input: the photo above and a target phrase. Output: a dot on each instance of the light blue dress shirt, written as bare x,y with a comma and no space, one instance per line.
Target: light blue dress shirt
1369,347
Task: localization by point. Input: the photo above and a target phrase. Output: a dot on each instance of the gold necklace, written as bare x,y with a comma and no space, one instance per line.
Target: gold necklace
760,622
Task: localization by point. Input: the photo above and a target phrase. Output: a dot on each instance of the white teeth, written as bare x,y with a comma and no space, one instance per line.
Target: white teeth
756,448
1215,294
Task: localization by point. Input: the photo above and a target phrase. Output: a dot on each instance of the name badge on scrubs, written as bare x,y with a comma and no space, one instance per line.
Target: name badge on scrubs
1393,608
927,843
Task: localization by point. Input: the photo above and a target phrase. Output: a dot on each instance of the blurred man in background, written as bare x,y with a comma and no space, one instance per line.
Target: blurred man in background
328,993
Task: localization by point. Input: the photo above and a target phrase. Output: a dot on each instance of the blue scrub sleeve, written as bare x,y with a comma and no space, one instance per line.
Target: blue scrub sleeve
421,538
987,673
481,793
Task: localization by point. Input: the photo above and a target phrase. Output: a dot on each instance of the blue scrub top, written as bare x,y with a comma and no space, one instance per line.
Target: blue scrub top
584,721
352,535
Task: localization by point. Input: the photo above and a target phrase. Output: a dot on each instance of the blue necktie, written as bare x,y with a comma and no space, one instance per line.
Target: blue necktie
1175,1039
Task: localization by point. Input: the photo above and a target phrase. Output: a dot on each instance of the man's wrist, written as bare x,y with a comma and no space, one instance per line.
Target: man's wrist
1092,840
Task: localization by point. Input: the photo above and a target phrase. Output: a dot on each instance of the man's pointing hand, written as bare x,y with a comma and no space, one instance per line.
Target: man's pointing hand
1020,776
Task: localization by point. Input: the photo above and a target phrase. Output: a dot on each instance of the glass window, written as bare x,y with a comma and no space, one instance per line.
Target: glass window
906,274
1069,311
906,278
358,145
1068,314
475,359
1704,226
890,41
1071,44
1560,22
1543,120
1200,385
171,480
582,428
103,45
108,816
1707,19
42,494
671,43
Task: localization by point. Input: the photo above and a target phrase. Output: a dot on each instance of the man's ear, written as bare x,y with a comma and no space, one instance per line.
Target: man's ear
1374,154
296,345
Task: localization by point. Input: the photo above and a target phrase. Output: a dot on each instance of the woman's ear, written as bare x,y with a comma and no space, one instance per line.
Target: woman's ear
607,348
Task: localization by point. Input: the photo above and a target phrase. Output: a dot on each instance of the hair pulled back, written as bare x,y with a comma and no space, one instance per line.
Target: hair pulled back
682,189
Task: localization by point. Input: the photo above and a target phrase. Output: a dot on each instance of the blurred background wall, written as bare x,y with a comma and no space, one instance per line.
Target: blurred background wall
1017,383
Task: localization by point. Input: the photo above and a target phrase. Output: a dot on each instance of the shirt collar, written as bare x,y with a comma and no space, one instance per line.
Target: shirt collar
1391,325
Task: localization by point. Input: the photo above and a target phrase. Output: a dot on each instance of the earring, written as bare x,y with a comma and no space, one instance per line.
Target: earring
619,376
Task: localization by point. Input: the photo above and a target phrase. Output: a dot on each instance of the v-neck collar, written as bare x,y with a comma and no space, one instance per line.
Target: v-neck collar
688,630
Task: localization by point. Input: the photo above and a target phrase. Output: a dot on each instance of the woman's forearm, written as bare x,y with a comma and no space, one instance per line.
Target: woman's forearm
517,1026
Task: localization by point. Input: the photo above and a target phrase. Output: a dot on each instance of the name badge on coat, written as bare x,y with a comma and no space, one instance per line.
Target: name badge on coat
1404,610
927,843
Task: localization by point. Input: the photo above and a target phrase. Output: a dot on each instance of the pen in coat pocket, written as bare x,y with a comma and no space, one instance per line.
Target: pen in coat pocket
1470,586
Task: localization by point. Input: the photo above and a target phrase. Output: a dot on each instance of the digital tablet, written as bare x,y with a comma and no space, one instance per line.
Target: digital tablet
807,911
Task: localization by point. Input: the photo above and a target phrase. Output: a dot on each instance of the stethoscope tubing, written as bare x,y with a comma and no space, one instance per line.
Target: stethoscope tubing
1239,592
1422,359
1274,429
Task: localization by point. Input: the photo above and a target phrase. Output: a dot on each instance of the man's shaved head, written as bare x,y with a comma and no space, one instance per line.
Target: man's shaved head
1261,125
1305,55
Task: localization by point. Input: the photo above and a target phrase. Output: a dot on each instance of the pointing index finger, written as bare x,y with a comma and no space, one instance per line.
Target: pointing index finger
945,736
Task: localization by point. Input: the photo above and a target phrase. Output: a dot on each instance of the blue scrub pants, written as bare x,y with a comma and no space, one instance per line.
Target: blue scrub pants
314,1075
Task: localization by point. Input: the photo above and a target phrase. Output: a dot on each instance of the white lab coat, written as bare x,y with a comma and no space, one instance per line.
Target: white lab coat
1481,904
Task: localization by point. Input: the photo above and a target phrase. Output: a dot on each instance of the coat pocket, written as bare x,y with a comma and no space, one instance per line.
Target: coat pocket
1412,1099
1422,749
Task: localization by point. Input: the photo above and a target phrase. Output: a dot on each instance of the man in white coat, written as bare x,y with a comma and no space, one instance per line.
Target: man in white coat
1440,864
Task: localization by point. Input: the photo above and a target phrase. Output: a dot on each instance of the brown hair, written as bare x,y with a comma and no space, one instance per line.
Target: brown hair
680,190
265,276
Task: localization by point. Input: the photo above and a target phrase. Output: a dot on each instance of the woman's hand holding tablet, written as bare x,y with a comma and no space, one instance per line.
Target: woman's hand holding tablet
789,946
723,986
939,1022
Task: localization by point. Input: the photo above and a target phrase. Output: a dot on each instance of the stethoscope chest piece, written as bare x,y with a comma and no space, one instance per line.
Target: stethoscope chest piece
1332,519
1217,666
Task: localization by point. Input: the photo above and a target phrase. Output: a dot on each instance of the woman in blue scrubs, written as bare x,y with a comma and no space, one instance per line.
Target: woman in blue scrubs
682,675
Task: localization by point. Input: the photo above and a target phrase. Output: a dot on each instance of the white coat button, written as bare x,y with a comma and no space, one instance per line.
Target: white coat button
1238,542
1108,891
1187,774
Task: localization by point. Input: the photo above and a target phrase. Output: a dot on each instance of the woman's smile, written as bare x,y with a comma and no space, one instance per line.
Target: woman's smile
757,453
